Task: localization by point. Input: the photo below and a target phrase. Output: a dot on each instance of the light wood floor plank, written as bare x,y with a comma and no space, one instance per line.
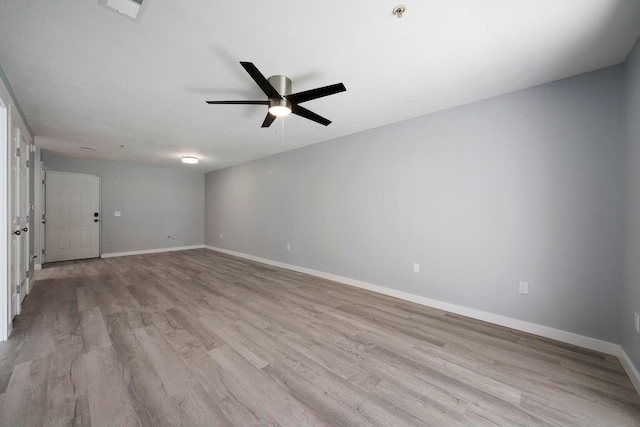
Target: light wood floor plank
101,390
259,393
60,399
94,330
24,400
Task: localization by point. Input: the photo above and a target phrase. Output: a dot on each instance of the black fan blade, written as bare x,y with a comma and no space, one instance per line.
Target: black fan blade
239,102
303,112
261,80
308,95
268,120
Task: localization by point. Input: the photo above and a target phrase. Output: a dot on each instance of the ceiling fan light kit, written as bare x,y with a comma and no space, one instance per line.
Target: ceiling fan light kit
280,100
279,110
279,107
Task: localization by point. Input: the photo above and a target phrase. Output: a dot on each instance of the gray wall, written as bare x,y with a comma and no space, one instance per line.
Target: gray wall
154,202
630,340
525,186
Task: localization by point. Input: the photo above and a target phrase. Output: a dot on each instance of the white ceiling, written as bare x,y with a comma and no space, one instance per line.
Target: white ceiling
85,76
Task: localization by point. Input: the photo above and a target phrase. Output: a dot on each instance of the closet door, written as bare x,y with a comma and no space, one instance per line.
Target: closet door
18,215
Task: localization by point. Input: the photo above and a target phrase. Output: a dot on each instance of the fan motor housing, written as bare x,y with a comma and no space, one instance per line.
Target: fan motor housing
281,83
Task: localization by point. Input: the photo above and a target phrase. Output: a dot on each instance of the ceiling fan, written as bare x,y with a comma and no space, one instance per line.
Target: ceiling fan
280,100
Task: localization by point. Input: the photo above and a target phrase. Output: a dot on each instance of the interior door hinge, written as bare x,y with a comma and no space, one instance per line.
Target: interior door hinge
18,289
27,163
27,273
17,152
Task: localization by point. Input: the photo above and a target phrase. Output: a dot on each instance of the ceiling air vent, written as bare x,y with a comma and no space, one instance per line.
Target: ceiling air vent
131,9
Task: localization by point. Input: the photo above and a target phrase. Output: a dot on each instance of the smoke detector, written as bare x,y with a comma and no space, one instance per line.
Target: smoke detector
399,10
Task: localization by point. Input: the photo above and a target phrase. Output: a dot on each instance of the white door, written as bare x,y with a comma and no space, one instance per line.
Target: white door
16,273
72,214
25,212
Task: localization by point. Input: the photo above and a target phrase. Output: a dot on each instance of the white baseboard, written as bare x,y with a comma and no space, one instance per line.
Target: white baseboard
532,328
37,266
628,366
151,251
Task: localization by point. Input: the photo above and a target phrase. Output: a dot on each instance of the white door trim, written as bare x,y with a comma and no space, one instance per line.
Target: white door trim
38,201
4,223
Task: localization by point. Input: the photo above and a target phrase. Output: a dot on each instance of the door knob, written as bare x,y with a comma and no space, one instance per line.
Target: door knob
95,220
25,229
17,232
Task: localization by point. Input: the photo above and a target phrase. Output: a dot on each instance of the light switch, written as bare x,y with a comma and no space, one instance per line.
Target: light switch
117,213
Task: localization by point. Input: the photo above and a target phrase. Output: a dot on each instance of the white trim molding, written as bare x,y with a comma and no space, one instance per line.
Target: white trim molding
628,366
151,251
532,328
5,300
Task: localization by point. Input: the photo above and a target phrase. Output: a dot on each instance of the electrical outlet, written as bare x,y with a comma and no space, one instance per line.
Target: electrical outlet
416,267
523,287
637,321
288,246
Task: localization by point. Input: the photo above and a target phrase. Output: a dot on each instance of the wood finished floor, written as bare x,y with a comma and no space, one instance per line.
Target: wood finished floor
200,338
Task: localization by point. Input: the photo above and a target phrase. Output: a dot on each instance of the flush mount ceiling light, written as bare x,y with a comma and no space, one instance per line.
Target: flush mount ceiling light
89,149
189,160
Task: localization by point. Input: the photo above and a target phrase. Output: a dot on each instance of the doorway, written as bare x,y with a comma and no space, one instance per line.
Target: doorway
14,216
19,150
72,216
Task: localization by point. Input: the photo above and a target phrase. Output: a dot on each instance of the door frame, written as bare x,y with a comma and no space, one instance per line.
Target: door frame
5,322
38,211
